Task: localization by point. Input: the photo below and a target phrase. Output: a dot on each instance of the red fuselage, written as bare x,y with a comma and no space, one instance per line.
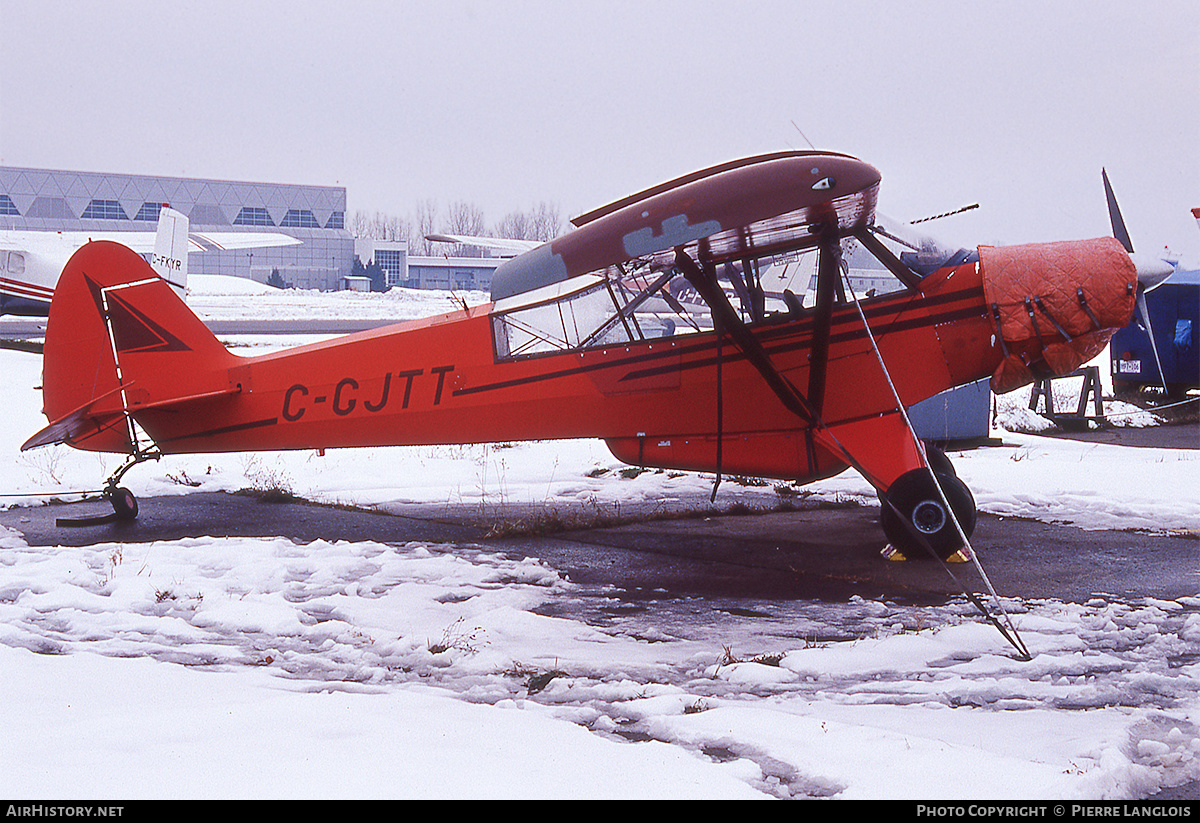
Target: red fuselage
655,401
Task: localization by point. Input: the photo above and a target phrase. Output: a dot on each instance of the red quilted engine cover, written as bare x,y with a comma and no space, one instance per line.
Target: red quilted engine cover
1055,304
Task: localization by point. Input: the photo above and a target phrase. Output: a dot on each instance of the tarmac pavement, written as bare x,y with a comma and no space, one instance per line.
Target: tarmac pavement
819,552
810,552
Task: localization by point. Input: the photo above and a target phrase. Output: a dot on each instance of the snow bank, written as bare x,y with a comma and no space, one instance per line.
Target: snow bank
94,727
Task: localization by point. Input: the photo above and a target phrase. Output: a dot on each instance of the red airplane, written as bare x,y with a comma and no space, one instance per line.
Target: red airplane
586,337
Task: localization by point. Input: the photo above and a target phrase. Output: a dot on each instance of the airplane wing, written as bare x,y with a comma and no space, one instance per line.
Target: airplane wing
507,246
142,242
32,272
51,242
759,206
232,240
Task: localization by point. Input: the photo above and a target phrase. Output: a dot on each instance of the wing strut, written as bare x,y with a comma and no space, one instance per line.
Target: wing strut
884,255
1010,633
829,278
829,284
725,318
705,282
718,327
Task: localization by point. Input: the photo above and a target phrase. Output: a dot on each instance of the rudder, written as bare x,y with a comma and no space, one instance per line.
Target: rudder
118,338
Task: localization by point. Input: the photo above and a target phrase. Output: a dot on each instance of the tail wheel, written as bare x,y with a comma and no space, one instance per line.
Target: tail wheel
125,505
914,514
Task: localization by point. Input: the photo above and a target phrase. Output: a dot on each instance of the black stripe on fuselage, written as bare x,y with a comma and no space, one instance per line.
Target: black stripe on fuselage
775,339
253,424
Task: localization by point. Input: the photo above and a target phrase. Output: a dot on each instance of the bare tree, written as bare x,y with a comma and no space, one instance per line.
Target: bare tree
547,224
425,222
514,226
379,227
541,223
359,225
466,219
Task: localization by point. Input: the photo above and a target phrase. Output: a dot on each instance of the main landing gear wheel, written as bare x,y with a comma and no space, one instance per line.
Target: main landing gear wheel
937,459
914,515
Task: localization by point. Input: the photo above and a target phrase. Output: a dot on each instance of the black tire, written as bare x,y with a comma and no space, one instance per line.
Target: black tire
937,459
124,504
915,520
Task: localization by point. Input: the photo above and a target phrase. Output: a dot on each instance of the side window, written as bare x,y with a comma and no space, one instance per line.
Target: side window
16,263
583,319
642,300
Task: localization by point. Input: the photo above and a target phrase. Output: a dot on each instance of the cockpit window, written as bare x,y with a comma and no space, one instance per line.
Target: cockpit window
600,312
645,299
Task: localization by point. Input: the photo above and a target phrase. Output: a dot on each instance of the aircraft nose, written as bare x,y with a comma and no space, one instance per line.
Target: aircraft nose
1055,305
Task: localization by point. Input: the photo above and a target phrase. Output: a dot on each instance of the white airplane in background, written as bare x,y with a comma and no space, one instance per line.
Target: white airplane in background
31,261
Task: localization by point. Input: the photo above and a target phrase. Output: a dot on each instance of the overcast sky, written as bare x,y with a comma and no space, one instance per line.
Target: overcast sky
1014,105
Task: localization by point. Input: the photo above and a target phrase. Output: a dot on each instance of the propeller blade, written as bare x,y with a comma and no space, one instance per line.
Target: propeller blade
1151,270
1144,312
1114,215
959,210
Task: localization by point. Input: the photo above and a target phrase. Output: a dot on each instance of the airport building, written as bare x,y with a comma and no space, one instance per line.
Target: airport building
420,272
452,273
447,272
51,200
54,200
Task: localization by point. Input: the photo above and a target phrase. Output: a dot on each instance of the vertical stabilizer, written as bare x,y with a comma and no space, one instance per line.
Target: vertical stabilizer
119,341
171,249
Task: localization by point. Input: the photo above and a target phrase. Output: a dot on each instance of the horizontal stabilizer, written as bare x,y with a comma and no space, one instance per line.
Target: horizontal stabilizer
78,423
72,429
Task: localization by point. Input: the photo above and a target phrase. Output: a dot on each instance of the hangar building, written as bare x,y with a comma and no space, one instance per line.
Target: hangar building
51,200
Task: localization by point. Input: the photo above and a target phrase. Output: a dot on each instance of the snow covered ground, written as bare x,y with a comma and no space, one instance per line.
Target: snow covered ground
239,667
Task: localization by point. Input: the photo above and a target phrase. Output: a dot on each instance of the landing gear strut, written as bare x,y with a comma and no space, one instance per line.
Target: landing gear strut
123,502
125,505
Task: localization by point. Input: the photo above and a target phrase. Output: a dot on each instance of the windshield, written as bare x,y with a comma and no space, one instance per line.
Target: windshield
920,251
